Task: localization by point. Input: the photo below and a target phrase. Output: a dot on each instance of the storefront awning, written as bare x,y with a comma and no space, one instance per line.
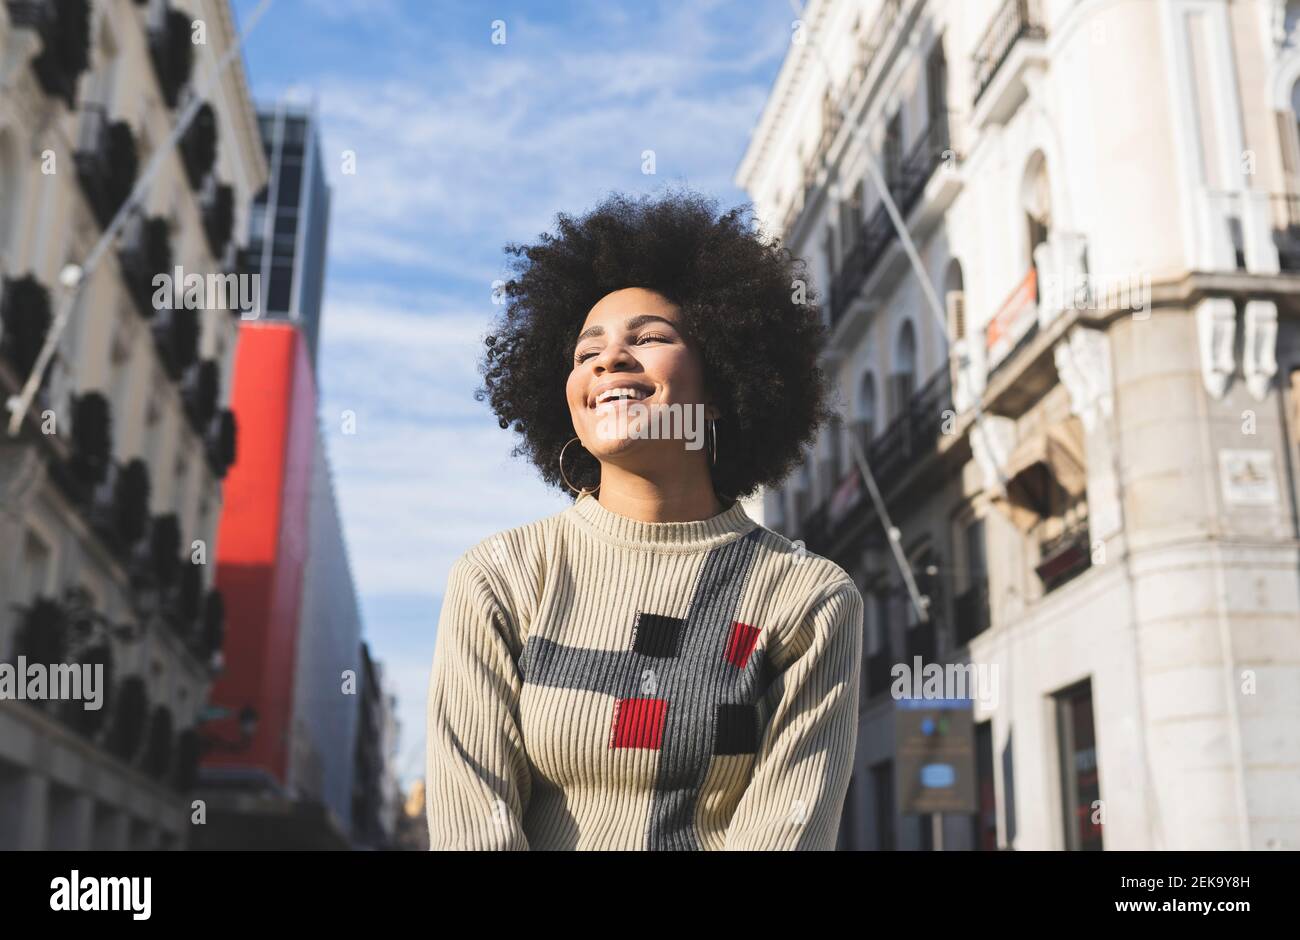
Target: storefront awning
1053,457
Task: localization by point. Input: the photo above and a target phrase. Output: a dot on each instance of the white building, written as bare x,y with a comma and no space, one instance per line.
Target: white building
110,495
1092,459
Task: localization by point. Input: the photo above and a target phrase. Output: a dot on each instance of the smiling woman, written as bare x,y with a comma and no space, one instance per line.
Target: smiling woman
650,668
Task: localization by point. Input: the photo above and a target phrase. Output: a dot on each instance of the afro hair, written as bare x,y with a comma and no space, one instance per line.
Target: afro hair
745,301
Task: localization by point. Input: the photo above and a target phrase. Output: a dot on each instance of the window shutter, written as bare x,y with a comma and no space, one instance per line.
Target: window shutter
957,314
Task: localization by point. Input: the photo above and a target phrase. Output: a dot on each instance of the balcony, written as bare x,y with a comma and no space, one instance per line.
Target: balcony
198,146
220,442
913,175
64,29
1014,324
217,202
176,336
1064,557
1012,46
893,455
913,433
25,318
146,252
107,162
971,613
172,52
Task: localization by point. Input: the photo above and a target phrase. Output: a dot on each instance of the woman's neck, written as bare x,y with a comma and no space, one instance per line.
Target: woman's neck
683,498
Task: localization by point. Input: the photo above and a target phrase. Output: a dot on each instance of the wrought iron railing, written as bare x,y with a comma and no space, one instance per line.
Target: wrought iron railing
891,454
106,160
1064,557
1015,20
914,173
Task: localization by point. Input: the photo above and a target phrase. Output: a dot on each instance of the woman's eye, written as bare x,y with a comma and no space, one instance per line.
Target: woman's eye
584,356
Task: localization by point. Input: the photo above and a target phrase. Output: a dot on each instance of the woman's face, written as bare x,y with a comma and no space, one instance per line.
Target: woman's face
634,337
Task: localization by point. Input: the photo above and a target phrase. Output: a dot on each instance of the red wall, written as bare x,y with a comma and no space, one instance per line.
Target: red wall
262,541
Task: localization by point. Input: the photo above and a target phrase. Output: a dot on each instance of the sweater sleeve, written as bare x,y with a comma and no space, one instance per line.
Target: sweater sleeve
478,781
801,775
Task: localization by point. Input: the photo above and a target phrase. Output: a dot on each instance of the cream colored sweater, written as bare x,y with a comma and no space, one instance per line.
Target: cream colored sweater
604,683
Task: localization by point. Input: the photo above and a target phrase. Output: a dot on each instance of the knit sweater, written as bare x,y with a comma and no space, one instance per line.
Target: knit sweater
600,682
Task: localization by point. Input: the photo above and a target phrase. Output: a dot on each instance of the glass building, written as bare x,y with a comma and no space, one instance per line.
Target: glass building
289,224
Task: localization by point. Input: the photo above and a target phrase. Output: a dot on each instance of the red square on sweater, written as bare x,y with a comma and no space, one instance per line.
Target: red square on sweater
741,643
639,722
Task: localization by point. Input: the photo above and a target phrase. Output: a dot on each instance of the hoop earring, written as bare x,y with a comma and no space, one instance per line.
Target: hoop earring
713,434
564,477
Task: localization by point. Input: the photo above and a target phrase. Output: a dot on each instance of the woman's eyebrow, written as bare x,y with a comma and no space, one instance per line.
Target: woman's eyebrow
641,319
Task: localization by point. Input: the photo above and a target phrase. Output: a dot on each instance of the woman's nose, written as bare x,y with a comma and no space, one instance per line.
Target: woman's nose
611,356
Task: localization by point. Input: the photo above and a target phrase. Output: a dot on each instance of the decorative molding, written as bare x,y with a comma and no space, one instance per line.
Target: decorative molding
1083,362
1060,259
1216,327
1274,14
992,438
1259,352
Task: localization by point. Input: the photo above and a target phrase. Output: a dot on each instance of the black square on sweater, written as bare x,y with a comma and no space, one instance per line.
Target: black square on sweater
737,729
657,635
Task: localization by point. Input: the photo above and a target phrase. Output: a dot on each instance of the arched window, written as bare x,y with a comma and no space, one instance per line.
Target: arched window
1036,201
902,381
864,425
955,300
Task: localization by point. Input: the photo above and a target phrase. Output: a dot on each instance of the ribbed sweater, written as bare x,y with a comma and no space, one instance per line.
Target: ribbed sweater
600,682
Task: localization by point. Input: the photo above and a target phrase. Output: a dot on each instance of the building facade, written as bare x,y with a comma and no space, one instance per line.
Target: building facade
111,491
376,793
1089,450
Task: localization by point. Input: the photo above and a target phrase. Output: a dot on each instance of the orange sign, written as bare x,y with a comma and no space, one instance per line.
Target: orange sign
1014,320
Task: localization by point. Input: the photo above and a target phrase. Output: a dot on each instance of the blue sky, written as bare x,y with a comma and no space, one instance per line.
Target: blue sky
461,147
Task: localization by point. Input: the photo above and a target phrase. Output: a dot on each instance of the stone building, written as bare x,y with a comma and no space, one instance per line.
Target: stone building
1088,443
111,491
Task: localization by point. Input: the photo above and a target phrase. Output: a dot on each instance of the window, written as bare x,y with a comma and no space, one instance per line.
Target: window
936,84
902,382
894,153
37,559
865,426
877,616
922,636
851,219
971,607
1080,786
1037,203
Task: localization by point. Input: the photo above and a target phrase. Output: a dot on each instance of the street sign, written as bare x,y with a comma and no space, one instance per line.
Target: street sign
935,755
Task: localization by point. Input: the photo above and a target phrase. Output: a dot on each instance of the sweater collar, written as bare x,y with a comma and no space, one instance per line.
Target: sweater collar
696,535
